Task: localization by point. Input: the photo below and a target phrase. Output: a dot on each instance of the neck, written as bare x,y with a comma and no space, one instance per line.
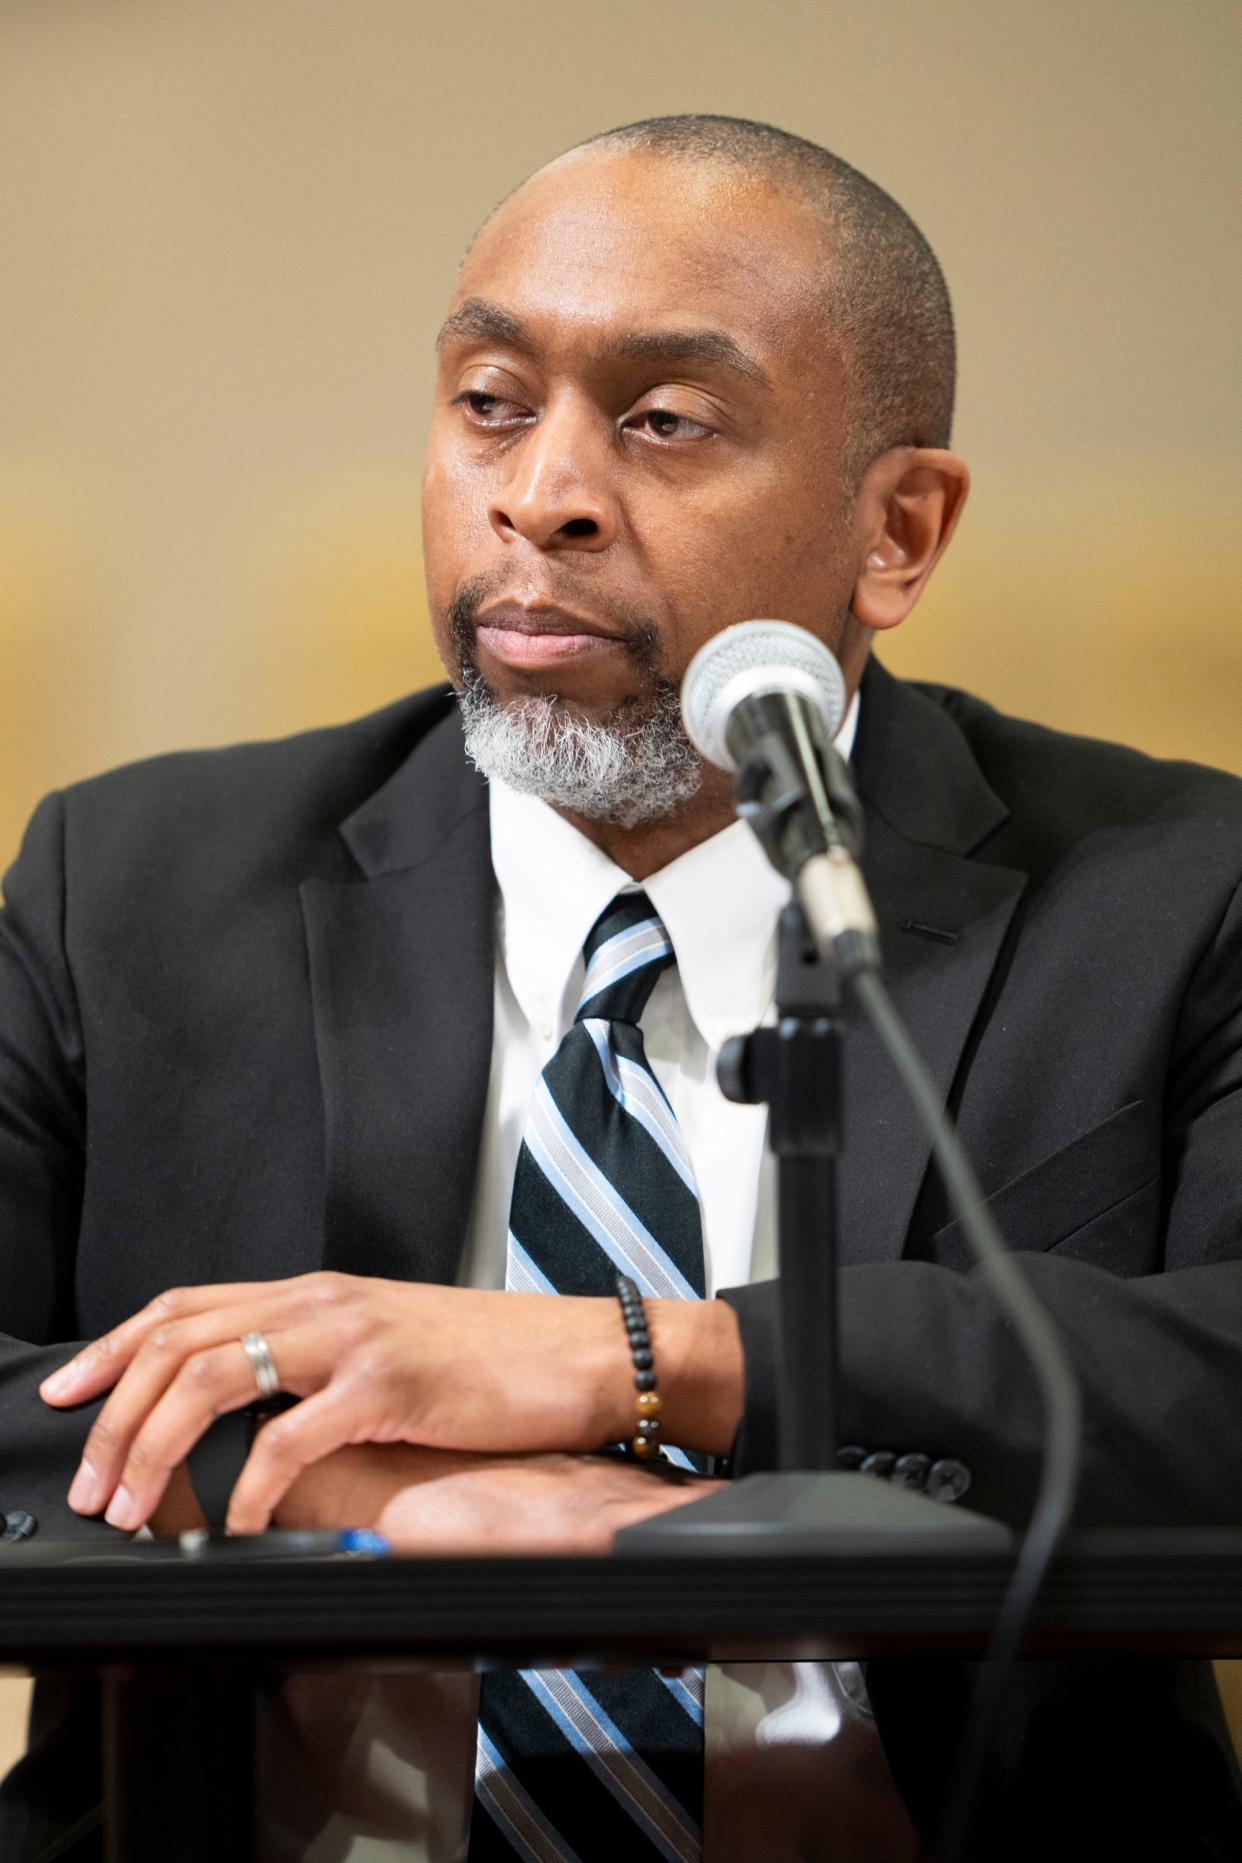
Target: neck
644,849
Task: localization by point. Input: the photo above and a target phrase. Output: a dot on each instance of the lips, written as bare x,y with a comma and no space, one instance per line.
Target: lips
540,636
512,618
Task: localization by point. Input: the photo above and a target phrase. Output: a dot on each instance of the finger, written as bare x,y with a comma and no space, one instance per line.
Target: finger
281,1451
148,1376
99,1364
208,1385
215,1380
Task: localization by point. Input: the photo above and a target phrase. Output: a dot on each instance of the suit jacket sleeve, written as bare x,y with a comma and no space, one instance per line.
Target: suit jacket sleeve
42,1155
929,1363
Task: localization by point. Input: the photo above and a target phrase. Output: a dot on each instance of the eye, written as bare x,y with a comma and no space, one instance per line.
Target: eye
662,424
484,410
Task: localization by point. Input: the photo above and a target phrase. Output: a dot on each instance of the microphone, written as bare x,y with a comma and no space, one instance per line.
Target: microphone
764,700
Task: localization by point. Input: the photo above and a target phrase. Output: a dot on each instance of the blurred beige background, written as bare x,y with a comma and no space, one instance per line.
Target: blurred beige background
229,229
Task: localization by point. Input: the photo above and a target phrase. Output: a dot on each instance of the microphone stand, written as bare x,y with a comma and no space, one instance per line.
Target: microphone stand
809,1505
796,1067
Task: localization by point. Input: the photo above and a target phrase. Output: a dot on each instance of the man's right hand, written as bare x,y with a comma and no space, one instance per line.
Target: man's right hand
438,1502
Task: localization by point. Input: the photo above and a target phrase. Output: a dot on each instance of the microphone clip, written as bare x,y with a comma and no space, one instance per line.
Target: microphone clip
794,791
771,791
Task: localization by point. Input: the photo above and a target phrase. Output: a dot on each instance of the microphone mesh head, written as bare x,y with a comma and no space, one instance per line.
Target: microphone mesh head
749,658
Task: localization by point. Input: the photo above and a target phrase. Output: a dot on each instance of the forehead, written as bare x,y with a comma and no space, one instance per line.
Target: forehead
601,241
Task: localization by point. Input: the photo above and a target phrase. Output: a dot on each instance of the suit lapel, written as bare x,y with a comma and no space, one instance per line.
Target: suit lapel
402,958
401,967
943,918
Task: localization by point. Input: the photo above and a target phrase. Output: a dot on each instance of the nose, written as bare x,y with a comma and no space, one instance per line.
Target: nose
558,493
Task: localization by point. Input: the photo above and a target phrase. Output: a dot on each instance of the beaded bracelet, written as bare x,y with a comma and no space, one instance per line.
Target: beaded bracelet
646,1440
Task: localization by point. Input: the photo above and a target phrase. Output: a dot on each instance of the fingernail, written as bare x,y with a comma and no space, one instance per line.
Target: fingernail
122,1510
60,1382
86,1490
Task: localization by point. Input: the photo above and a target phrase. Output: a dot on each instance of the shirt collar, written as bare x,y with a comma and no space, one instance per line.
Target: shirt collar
719,902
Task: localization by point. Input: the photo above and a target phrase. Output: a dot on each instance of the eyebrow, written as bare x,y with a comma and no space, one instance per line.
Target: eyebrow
486,322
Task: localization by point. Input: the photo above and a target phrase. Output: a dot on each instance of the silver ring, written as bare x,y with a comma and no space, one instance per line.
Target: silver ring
259,1352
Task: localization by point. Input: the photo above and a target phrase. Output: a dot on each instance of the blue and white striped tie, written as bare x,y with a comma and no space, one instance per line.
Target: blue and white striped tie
574,1768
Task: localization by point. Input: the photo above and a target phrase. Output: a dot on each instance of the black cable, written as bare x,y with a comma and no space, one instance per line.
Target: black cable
1058,1385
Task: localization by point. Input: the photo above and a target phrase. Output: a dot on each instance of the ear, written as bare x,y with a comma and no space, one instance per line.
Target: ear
907,509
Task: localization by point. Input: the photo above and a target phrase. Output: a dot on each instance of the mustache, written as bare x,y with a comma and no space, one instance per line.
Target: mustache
635,632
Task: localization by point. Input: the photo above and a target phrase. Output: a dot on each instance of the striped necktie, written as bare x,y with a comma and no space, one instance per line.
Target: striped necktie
573,1768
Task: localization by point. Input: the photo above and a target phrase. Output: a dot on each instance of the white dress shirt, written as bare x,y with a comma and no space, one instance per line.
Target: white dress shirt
391,1757
719,903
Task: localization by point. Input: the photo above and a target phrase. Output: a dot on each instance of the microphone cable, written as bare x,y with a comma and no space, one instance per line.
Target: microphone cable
1058,1384
764,699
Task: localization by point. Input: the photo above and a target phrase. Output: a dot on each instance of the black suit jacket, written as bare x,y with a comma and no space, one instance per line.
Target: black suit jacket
245,1026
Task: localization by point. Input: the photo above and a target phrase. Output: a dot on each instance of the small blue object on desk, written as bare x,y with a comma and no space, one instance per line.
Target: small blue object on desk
351,1542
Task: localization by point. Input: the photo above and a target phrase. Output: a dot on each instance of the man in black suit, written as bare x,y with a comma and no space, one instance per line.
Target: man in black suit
693,372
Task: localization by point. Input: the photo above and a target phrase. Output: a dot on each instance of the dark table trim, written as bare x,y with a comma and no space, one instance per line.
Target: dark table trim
67,1606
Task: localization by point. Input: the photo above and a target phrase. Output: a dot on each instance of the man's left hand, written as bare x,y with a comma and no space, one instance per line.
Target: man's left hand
382,1362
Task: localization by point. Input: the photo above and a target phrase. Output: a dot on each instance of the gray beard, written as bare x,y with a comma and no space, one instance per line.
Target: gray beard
635,766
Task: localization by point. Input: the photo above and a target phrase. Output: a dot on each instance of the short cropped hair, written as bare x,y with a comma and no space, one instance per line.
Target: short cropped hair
887,301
